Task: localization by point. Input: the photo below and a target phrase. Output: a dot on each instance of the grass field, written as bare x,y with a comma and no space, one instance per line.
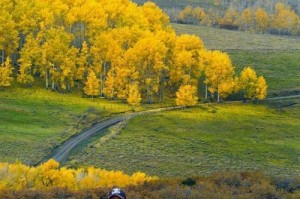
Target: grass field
276,58
220,39
204,140
179,3
33,121
280,68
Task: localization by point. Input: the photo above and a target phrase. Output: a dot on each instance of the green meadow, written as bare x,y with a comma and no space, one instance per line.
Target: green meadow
203,140
34,121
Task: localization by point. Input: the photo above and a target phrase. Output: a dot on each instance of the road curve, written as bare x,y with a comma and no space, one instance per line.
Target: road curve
61,153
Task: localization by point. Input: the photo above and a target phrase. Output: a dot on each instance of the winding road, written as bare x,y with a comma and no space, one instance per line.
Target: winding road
61,153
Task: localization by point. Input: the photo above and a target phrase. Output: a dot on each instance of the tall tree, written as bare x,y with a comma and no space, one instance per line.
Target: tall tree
147,59
261,89
6,71
219,74
8,34
30,60
246,19
261,20
92,85
187,59
248,81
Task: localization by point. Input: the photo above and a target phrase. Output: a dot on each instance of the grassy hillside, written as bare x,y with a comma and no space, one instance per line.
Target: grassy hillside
221,39
179,3
33,121
203,140
277,58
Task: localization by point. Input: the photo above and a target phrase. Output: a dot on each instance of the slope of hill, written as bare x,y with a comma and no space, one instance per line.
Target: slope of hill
221,39
34,121
203,140
275,57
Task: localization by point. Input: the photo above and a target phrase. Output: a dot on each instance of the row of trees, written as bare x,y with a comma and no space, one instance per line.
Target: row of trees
114,49
283,20
49,175
268,5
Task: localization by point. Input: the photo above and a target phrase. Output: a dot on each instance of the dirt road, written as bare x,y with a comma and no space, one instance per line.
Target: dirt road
61,153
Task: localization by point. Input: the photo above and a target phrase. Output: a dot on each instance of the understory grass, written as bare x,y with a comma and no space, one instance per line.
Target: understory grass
203,140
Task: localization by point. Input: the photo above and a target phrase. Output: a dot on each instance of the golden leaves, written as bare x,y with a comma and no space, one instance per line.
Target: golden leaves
49,176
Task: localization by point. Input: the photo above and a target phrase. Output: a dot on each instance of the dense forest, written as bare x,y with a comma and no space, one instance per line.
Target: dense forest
114,49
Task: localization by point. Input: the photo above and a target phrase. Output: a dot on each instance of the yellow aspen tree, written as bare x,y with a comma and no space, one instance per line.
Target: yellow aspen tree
8,35
106,49
261,89
186,15
92,85
230,19
124,75
248,81
110,84
82,62
147,58
168,37
219,74
6,71
186,96
30,60
198,14
246,19
86,19
226,88
54,48
25,16
261,20
285,19
68,69
156,19
187,58
212,18
134,96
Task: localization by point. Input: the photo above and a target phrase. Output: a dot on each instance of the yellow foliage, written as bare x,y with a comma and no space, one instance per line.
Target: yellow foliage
6,71
254,88
92,85
261,89
48,176
187,95
246,18
187,58
231,18
134,96
285,18
261,19
219,72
